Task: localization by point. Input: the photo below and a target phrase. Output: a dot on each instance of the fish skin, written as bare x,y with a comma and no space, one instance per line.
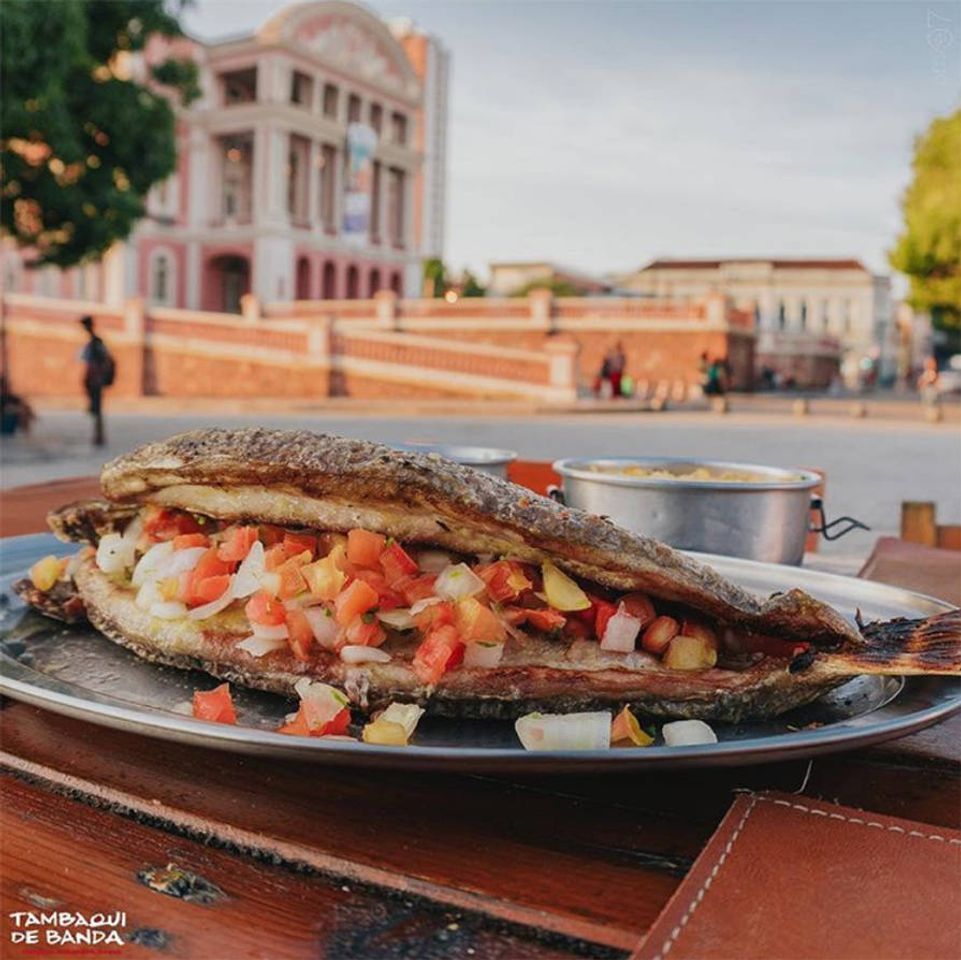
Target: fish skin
425,498
302,478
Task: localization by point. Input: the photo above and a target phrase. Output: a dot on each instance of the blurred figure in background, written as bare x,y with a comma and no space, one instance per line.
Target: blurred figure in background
15,413
99,373
928,382
617,362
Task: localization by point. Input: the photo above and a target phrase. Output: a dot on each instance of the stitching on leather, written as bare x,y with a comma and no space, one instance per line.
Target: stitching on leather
708,880
893,828
699,896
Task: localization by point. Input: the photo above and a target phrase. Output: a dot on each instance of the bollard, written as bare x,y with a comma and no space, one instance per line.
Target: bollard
801,407
859,409
933,413
659,403
720,404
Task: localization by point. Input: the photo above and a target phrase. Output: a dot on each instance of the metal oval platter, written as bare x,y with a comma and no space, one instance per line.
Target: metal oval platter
76,671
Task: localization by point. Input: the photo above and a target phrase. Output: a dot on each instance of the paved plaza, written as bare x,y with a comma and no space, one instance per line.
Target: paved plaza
871,466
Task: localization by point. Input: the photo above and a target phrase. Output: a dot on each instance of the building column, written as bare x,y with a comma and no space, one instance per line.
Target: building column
313,186
113,273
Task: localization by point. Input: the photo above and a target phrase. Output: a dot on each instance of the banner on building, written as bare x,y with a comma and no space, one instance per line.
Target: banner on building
359,185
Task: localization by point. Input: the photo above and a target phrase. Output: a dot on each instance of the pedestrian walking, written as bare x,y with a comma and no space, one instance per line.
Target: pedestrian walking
928,382
100,369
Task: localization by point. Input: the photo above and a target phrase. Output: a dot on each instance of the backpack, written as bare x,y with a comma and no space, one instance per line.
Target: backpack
108,369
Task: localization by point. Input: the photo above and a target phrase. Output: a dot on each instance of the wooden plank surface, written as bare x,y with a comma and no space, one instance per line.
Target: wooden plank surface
194,900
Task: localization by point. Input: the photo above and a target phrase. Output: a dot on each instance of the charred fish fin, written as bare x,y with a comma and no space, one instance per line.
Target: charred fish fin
802,661
86,521
928,646
63,602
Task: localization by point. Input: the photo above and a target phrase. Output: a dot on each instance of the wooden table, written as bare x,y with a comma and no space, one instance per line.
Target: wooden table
214,855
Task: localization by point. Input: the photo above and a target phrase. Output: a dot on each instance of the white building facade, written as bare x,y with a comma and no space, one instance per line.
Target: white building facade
837,298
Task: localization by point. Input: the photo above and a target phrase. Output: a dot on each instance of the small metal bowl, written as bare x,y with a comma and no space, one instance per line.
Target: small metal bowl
766,519
487,459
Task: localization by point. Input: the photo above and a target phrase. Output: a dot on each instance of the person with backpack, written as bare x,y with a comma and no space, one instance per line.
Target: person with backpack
100,370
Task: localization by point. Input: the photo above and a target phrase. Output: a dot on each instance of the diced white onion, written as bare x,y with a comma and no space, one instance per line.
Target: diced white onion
180,561
168,610
354,653
458,582
399,619
215,606
687,733
259,646
483,654
423,605
433,561
250,572
131,534
325,627
321,701
565,731
150,561
148,595
270,581
269,631
114,554
406,714
621,632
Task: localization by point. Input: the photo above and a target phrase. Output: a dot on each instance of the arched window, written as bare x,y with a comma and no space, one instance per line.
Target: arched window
160,279
825,317
781,315
353,283
804,314
396,283
329,287
303,279
374,282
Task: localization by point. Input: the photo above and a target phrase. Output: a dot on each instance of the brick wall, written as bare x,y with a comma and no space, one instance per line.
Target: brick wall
537,348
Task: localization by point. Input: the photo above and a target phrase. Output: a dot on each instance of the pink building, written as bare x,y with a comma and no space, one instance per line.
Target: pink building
313,166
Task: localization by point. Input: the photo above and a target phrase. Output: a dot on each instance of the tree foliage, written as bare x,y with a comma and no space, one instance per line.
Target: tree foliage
471,286
83,142
929,249
560,288
435,276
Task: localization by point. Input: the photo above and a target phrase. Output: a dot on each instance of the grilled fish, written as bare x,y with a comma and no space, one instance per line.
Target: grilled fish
759,657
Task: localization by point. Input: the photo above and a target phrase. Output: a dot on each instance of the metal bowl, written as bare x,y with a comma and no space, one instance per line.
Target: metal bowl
488,459
766,519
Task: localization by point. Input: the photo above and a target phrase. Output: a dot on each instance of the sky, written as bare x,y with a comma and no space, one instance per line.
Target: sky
601,134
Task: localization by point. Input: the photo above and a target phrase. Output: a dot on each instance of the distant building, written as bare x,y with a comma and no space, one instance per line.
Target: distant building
509,277
836,298
313,166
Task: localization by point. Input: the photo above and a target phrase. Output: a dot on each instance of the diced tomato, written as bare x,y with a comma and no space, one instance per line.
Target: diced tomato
365,634
546,619
292,579
324,579
605,611
206,590
436,615
295,543
210,565
577,629
397,563
271,534
300,637
515,616
505,580
299,727
184,540
262,608
164,524
275,556
477,623
215,705
416,588
441,650
387,599
364,548
639,605
353,602
237,544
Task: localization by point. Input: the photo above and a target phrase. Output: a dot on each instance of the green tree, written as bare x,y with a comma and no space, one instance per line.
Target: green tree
470,286
435,277
560,288
929,249
82,142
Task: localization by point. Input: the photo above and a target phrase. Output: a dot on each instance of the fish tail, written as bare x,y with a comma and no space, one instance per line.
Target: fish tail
902,646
